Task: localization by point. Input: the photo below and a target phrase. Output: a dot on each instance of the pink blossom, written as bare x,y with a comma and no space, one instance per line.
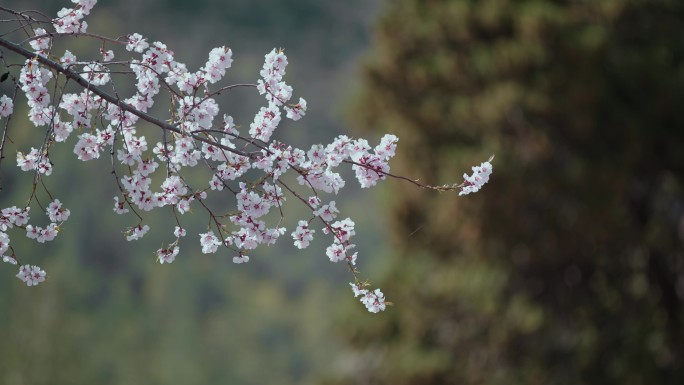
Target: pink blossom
179,232
209,242
302,235
168,254
297,111
56,213
136,43
473,183
137,232
241,258
327,212
6,106
31,275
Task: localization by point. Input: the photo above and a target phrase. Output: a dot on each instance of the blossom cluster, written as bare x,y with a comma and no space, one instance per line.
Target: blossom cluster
473,183
374,300
12,217
31,275
196,133
70,20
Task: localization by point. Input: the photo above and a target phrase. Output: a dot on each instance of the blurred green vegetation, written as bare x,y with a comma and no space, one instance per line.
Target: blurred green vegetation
568,268
109,313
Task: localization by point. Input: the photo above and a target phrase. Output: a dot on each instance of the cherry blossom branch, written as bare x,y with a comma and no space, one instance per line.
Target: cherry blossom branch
95,90
414,181
189,137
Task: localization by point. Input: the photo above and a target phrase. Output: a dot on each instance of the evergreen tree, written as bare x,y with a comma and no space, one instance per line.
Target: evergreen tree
568,267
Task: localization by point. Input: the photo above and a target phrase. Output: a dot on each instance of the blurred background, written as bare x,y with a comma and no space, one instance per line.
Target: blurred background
566,269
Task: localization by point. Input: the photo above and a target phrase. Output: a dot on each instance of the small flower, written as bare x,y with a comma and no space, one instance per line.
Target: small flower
136,43
168,254
47,234
335,252
296,111
107,55
6,106
96,73
209,242
31,275
137,232
67,59
119,207
374,301
327,212
302,235
179,232
183,205
314,201
32,232
358,289
387,147
473,183
56,213
42,42
241,258
21,217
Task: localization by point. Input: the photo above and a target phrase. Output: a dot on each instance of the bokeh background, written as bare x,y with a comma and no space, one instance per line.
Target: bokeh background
566,269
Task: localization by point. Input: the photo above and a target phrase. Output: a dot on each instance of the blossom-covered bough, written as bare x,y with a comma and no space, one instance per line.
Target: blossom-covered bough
248,166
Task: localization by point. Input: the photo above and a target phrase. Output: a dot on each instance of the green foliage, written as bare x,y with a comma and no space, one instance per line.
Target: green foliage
567,268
